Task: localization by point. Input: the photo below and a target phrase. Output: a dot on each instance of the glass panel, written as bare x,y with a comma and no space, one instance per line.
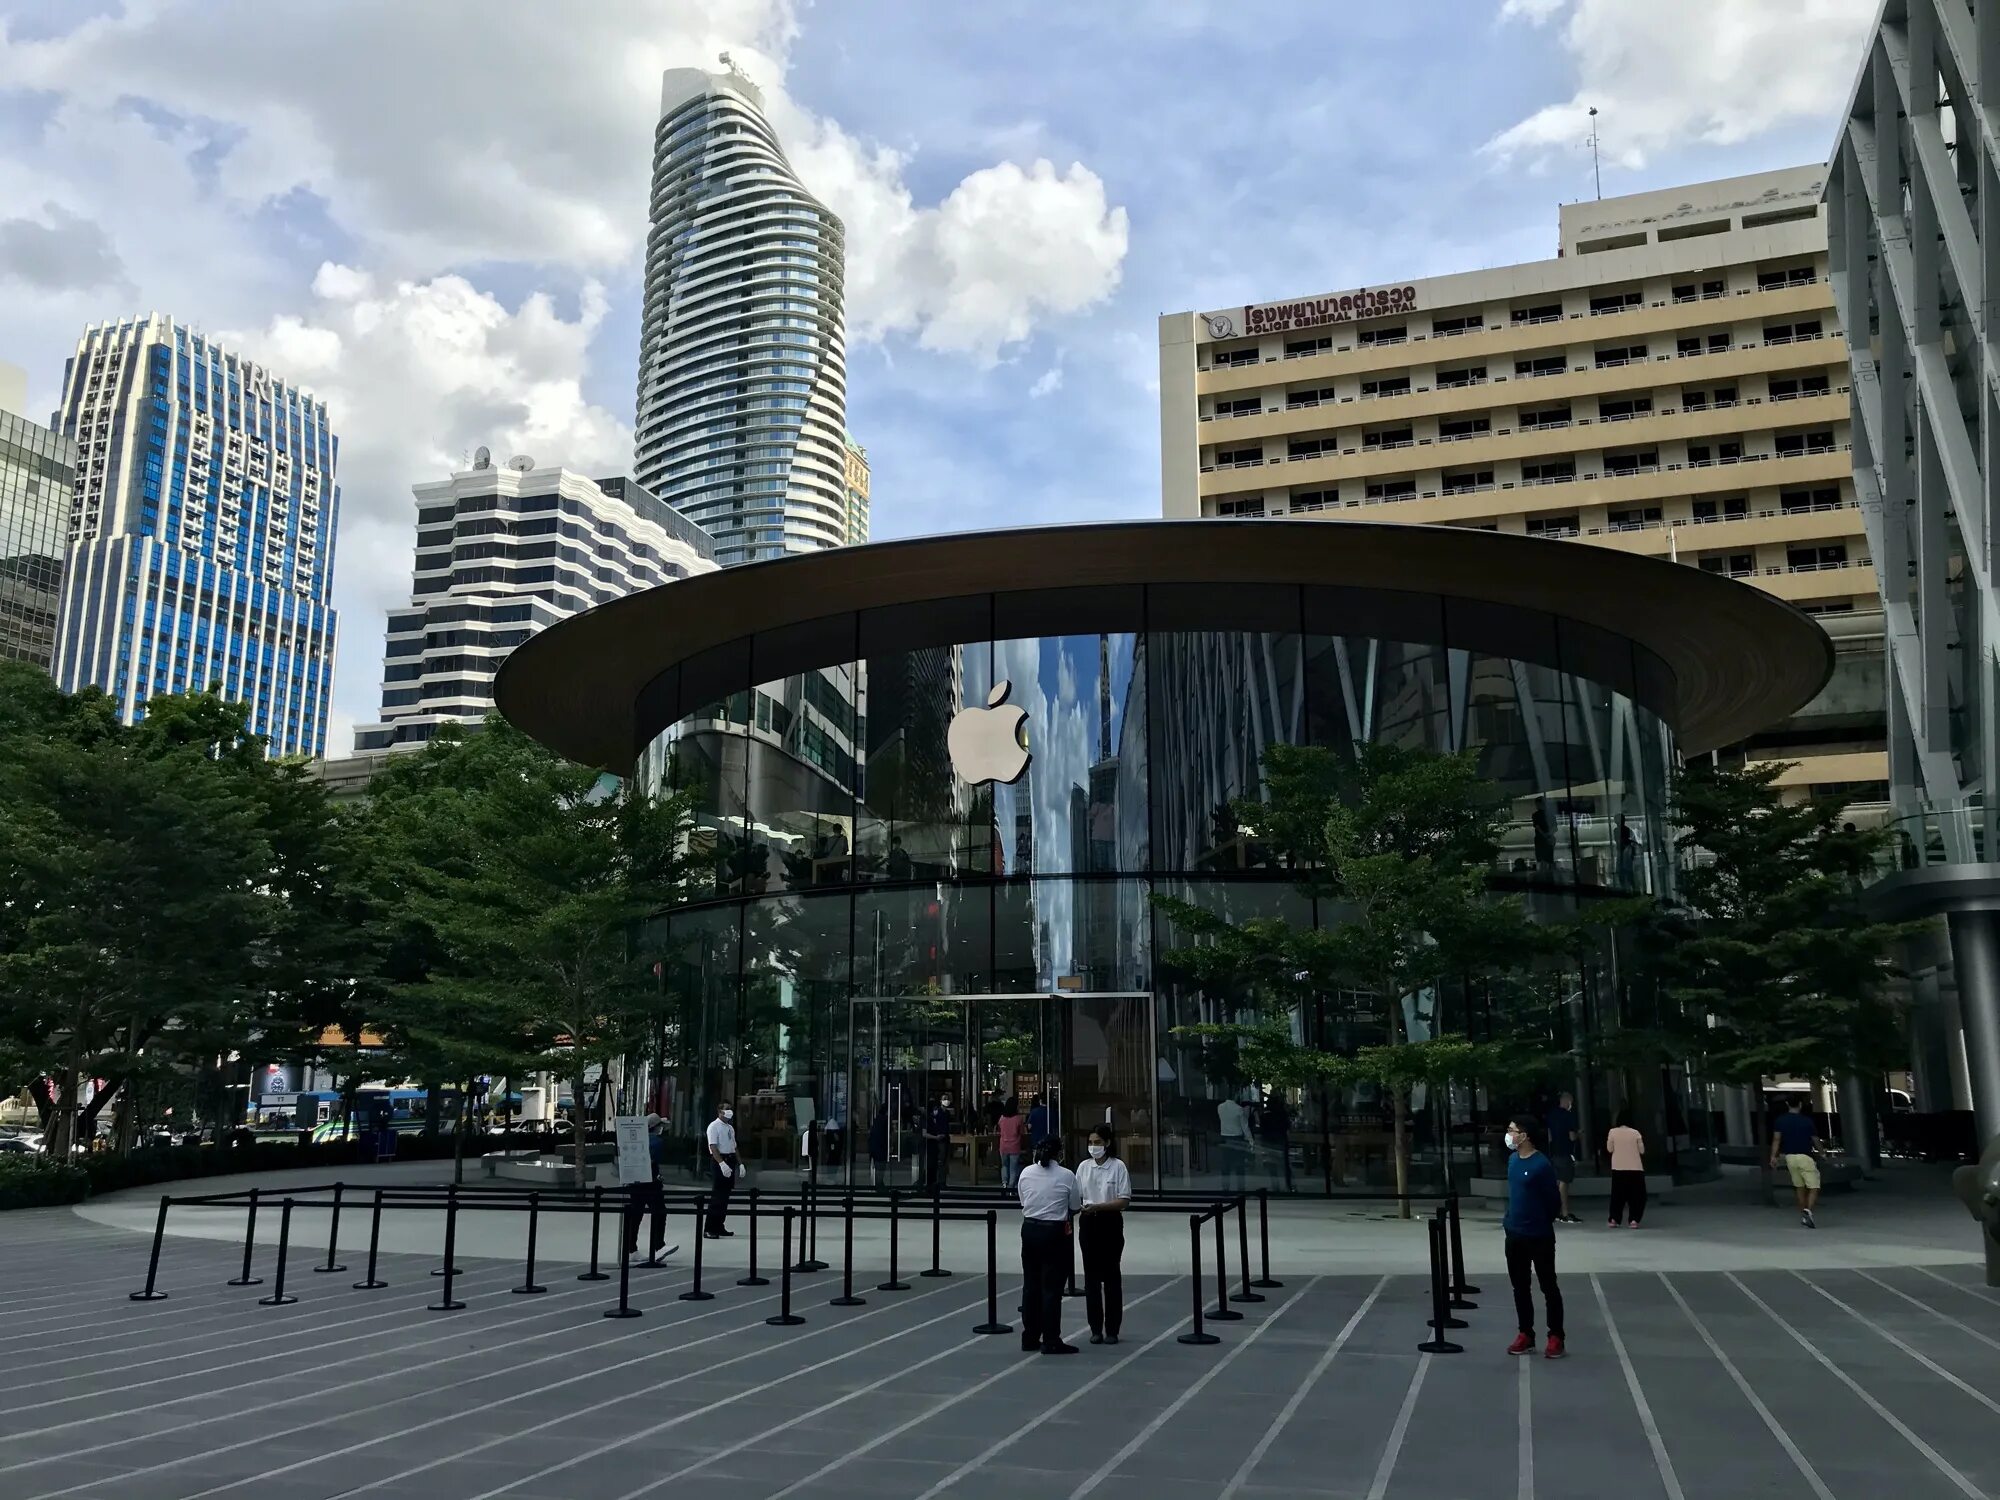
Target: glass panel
802,775
700,975
916,816
793,1024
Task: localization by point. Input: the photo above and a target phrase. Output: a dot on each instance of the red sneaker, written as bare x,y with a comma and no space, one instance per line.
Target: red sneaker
1555,1347
1523,1342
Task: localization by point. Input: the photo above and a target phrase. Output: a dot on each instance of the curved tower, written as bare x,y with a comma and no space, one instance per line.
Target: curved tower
742,359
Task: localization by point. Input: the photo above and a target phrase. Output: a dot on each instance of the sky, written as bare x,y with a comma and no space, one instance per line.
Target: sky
432,213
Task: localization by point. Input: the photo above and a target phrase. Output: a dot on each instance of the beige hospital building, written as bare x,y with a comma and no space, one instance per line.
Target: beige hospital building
1673,383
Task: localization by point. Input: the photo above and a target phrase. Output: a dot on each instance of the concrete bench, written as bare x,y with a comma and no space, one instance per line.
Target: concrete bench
533,1166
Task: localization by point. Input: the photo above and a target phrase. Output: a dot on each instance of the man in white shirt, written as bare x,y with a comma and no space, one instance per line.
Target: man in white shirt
724,1170
1234,1127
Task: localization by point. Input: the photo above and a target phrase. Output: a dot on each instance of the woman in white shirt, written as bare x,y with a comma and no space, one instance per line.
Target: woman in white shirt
1049,1195
1100,1231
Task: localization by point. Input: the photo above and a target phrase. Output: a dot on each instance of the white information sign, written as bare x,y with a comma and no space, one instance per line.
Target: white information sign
635,1160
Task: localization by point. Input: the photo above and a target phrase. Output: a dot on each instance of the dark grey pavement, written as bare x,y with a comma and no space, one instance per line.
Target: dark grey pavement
1704,1385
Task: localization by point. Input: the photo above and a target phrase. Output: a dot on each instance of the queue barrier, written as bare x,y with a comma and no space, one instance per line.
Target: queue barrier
798,1223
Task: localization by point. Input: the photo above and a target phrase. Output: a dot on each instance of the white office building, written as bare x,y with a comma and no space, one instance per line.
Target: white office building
742,395
502,551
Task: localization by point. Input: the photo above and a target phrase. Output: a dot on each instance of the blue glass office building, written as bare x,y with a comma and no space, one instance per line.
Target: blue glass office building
200,546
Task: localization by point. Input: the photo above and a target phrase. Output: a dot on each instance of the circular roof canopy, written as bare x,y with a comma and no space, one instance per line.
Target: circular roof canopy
1740,658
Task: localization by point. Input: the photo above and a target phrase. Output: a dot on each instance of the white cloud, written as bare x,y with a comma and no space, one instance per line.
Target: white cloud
1710,72
1047,383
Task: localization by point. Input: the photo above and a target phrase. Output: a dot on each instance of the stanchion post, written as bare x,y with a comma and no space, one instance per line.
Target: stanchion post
1244,1294
1222,1312
1460,1287
694,1293
450,1216
1441,1220
449,1269
278,1297
1196,1334
249,1244
784,1317
753,1279
596,1221
895,1283
152,1293
809,1229
528,1288
371,1282
847,1297
333,1234
624,1309
993,1323
1264,1239
1070,1288
936,1269
1437,1343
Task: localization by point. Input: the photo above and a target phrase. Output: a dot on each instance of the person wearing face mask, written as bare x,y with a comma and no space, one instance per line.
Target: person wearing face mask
1100,1231
724,1169
1534,1203
937,1143
1049,1196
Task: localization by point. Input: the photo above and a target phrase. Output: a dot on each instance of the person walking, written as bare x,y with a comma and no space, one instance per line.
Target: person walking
878,1145
937,1143
1627,1149
1049,1195
724,1169
1013,1140
1564,1148
649,1199
1274,1126
1233,1127
1532,1203
1793,1142
1100,1233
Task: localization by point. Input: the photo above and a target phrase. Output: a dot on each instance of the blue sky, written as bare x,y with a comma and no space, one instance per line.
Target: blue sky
432,214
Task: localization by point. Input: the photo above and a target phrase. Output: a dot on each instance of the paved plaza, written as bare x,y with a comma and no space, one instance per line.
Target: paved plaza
1862,1379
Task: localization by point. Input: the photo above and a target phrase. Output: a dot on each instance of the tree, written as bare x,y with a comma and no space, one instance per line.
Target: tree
1398,846
513,890
1770,952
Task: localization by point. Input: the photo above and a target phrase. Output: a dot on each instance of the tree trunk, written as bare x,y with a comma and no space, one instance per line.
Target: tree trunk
1401,1098
577,1120
45,1102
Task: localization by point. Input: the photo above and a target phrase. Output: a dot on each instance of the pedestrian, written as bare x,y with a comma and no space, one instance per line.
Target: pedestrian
937,1143
1532,1203
1049,1195
1274,1125
649,1200
1039,1125
1563,1150
1013,1133
1233,1126
878,1145
724,1169
1792,1140
1100,1234
1627,1149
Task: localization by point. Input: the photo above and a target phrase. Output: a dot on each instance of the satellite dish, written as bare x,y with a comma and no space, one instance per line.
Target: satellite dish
482,458
520,463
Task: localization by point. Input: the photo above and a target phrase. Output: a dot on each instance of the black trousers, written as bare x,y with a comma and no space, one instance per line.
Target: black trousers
1538,1255
1101,1237
720,1185
1044,1269
1628,1191
645,1198
934,1163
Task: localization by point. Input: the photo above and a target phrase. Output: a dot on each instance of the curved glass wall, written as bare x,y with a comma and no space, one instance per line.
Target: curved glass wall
874,933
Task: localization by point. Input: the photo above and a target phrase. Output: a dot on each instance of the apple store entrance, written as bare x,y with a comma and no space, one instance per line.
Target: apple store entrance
1074,1059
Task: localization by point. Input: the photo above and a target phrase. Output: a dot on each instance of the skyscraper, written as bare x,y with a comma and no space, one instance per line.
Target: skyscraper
742,397
37,478
502,552
201,535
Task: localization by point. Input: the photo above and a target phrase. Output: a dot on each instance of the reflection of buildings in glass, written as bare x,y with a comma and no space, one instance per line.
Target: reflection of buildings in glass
912,805
37,480
804,772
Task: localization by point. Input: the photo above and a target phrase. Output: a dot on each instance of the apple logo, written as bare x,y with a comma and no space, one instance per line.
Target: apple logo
990,743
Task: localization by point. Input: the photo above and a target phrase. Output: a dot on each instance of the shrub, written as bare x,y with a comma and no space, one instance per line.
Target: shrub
37,1182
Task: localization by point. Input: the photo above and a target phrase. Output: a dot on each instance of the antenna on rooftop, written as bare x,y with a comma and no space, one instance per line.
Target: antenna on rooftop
1596,178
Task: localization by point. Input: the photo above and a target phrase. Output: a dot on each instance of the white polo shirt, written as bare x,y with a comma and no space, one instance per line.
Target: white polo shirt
1103,1181
722,1136
1049,1193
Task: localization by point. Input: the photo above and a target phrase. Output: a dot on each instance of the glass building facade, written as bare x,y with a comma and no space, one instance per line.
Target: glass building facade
873,932
37,484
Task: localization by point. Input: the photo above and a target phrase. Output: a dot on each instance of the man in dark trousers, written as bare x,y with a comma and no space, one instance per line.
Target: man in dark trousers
937,1143
1533,1204
724,1169
648,1198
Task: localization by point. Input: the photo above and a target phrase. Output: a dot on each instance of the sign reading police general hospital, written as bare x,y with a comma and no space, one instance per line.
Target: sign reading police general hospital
1313,312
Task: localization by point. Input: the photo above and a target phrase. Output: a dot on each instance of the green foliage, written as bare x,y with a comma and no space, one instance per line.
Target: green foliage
38,1182
1771,944
508,887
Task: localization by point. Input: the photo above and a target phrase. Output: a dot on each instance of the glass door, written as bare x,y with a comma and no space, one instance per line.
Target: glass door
910,1059
1109,1076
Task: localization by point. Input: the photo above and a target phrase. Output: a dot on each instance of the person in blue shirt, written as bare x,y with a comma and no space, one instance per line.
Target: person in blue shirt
1534,1202
1792,1140
1562,1152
